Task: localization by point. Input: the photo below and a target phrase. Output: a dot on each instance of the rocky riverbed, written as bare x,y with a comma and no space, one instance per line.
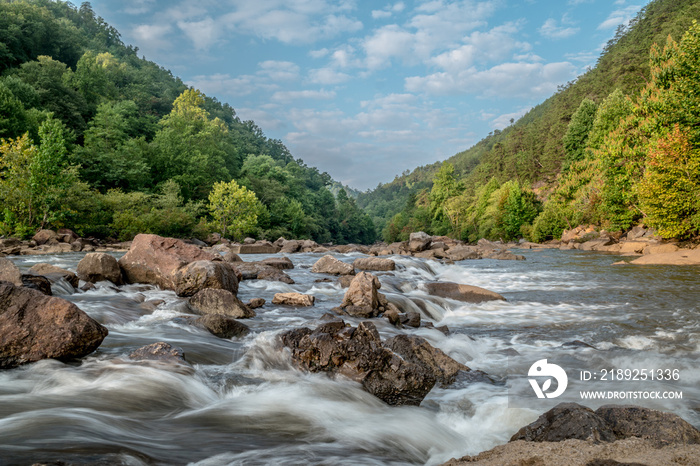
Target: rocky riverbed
367,356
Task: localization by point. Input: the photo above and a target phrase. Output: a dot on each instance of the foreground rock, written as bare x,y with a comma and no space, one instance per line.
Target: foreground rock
574,434
55,274
98,266
330,265
34,326
465,293
155,260
358,354
417,350
609,423
293,299
211,301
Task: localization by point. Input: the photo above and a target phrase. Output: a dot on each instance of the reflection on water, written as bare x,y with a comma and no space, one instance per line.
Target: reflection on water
243,403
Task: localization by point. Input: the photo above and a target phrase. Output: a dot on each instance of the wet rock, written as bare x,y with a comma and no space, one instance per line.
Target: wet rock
9,272
44,237
325,280
199,275
281,263
419,241
160,351
155,260
54,273
34,326
577,344
417,350
345,280
358,354
363,298
98,266
223,326
290,247
275,275
293,299
330,265
374,263
219,302
465,293
567,421
255,303
37,282
503,256
460,253
411,319
657,426
393,316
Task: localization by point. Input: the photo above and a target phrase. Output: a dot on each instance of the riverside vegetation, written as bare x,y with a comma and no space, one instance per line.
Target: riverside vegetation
98,140
617,147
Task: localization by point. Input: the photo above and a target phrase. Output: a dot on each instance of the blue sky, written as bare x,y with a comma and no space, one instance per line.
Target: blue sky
365,90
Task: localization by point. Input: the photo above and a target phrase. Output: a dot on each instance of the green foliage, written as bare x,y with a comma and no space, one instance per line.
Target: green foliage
234,208
576,137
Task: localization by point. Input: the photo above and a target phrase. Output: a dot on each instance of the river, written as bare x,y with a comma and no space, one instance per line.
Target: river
243,402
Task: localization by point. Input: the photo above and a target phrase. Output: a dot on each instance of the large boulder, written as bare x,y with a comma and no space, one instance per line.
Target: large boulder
330,265
198,275
363,298
374,263
220,302
358,354
419,241
155,260
608,424
9,272
281,263
54,273
293,299
34,326
465,293
98,266
417,350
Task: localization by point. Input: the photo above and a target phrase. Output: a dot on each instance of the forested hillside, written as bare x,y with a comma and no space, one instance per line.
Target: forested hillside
96,139
591,153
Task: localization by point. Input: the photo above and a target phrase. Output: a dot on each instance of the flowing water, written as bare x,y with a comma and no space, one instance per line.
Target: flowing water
244,403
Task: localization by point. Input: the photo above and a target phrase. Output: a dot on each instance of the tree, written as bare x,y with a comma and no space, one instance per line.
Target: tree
576,135
18,209
234,208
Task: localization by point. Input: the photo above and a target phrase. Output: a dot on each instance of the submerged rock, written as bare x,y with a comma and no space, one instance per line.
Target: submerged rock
34,326
98,266
465,293
223,326
159,351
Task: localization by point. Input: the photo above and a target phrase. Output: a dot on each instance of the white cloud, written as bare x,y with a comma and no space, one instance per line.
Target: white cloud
503,121
551,30
386,43
327,76
288,96
138,7
506,80
618,17
279,70
203,34
320,53
153,36
381,14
